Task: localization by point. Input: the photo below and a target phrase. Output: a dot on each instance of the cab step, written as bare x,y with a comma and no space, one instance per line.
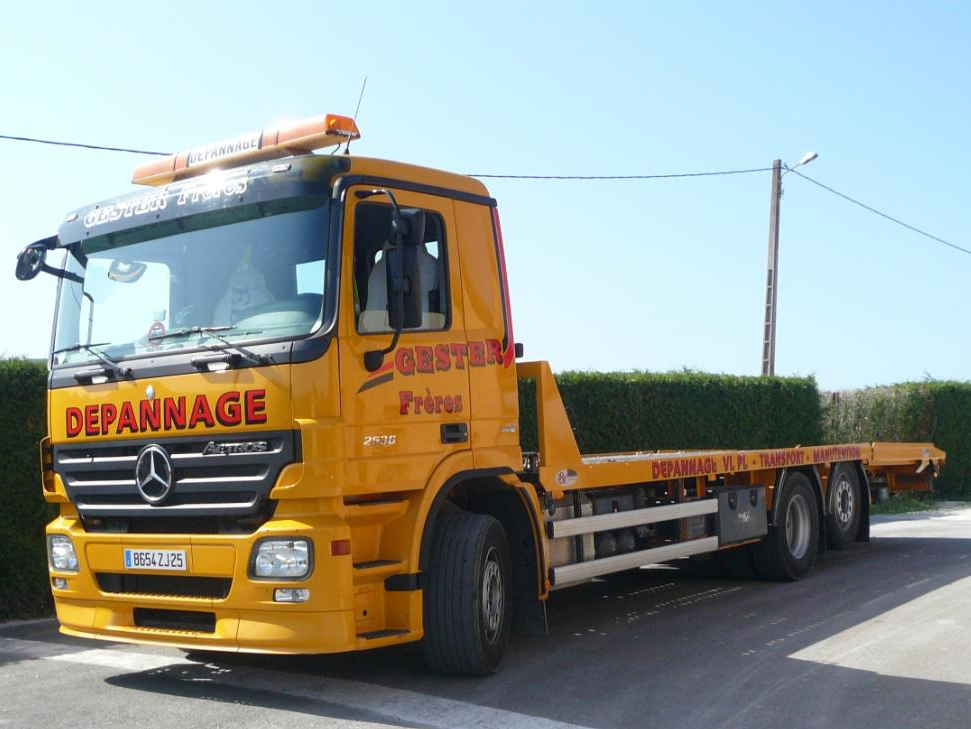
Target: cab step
374,511
374,563
376,570
375,634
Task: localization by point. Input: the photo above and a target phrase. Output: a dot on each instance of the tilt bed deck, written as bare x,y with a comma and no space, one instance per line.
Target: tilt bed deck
561,467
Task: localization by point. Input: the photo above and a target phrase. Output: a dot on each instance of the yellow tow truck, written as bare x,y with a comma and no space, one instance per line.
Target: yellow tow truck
283,418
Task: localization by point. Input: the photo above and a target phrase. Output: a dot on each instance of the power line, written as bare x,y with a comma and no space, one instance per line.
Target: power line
713,173
84,146
622,177
877,212
507,177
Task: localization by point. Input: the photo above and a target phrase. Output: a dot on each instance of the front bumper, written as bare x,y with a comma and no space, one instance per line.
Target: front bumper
246,619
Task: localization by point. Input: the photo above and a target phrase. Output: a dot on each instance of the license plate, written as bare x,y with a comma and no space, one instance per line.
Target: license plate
155,559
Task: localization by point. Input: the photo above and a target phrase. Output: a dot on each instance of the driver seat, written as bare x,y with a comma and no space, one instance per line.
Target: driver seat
374,318
246,289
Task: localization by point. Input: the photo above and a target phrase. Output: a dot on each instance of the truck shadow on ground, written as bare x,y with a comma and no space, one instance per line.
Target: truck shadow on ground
656,647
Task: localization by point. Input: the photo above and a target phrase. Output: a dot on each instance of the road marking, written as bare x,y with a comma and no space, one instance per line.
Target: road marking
123,660
399,705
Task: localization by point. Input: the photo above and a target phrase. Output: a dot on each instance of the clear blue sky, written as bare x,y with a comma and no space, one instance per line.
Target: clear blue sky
651,275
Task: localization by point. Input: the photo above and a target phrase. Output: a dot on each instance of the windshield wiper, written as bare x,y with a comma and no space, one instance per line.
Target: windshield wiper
185,331
112,366
76,347
226,343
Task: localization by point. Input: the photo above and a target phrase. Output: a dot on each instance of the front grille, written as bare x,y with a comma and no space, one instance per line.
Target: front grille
100,477
189,620
172,524
216,588
85,500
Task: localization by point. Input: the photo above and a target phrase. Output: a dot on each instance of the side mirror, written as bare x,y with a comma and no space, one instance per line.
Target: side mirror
30,261
404,273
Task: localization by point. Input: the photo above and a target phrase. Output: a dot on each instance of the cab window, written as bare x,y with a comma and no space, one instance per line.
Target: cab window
372,223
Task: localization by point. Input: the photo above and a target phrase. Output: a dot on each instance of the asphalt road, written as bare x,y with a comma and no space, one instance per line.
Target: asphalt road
879,636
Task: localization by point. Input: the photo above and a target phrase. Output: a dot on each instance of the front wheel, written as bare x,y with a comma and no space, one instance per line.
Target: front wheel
467,595
789,549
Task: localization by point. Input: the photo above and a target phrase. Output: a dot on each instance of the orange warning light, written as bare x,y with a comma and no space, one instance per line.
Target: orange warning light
281,141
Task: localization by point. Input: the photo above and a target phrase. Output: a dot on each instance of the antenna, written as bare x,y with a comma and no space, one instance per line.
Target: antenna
347,149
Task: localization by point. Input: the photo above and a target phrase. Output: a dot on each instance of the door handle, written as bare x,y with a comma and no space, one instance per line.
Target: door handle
455,433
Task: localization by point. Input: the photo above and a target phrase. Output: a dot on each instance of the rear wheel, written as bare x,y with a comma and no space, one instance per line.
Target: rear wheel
467,596
844,506
789,549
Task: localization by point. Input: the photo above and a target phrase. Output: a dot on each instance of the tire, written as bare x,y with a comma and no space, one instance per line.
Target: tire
845,506
468,595
789,550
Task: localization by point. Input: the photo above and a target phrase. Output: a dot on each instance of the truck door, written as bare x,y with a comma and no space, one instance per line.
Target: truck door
413,411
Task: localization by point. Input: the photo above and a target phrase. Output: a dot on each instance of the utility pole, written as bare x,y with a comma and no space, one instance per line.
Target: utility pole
772,273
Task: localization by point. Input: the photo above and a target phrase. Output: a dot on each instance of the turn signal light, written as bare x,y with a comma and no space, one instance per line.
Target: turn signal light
46,465
280,141
339,547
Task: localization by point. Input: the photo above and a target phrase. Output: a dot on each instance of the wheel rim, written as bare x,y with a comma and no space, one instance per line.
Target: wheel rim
844,504
492,595
797,526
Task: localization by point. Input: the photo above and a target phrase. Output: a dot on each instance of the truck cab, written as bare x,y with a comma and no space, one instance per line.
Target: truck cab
268,371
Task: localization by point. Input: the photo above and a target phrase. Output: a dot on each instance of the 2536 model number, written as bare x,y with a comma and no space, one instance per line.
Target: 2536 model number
380,440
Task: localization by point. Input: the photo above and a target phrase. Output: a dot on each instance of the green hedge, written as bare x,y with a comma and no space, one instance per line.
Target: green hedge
24,589
622,411
939,412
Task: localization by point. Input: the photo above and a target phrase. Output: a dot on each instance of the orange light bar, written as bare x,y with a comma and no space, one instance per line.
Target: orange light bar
295,138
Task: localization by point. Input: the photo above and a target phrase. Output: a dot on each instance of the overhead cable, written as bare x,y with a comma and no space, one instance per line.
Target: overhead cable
881,214
669,176
79,144
622,177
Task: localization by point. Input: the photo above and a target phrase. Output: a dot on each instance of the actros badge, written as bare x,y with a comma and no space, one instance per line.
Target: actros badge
153,474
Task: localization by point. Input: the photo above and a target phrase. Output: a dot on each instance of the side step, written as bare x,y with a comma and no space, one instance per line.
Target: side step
633,517
375,634
585,570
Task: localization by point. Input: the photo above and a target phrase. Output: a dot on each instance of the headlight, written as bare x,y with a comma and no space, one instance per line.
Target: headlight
286,558
61,554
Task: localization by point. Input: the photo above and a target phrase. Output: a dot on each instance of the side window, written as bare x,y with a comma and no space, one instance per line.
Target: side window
372,223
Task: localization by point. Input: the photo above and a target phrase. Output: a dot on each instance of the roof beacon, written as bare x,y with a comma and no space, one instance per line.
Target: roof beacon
280,141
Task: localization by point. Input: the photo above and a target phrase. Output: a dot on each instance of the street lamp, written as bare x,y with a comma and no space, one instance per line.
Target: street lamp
772,270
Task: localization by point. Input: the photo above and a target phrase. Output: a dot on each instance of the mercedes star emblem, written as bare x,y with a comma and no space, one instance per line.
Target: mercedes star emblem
153,474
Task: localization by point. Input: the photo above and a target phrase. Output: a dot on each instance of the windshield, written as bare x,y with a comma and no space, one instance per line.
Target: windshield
257,274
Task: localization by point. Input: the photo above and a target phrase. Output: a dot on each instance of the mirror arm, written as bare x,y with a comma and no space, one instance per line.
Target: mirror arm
62,273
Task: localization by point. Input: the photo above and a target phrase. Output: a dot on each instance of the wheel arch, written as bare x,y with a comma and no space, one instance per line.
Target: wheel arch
495,491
